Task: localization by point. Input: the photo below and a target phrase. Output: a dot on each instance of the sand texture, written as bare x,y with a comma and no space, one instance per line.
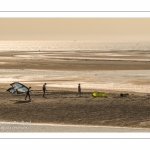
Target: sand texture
65,107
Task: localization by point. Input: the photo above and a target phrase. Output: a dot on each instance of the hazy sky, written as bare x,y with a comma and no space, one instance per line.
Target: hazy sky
80,29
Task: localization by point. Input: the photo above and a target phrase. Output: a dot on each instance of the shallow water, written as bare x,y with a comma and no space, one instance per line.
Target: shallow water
126,80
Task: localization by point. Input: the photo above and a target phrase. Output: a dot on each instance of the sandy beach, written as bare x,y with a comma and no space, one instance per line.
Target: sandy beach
111,71
66,108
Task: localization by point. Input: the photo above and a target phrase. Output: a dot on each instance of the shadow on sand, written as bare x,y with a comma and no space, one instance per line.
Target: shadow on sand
22,101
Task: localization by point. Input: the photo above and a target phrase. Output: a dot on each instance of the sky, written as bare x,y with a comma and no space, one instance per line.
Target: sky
79,29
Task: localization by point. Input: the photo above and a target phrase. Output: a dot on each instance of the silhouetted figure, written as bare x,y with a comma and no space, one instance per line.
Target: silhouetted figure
28,94
44,89
79,89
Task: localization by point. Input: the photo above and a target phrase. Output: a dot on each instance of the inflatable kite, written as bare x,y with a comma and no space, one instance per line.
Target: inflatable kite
18,88
97,94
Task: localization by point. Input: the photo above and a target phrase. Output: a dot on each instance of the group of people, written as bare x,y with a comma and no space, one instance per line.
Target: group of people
44,90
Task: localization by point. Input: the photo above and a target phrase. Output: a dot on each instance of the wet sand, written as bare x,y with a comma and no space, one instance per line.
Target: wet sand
77,60
61,104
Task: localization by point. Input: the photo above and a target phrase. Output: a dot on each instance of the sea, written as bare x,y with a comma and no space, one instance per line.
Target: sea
71,45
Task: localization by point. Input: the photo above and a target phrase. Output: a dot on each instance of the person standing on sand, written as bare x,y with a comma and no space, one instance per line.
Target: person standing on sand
28,94
79,89
44,89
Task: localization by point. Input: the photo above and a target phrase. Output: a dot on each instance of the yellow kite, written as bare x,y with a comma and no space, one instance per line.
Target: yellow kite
97,94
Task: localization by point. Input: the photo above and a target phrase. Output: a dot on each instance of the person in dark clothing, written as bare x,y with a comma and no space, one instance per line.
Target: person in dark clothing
79,89
28,94
44,89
